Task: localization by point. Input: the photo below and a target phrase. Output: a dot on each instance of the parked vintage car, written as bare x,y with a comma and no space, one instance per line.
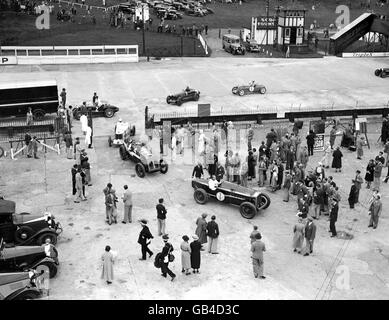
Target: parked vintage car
252,45
173,15
250,201
232,44
383,72
104,109
184,96
122,130
141,155
19,285
25,228
249,89
23,258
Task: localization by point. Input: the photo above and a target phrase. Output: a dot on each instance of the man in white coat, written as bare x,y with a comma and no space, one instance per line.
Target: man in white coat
84,123
88,137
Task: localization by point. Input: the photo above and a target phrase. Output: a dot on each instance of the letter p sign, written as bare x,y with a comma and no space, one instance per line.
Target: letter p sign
43,21
4,60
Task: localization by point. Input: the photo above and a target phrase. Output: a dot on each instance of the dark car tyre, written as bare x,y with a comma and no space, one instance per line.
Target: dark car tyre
123,152
383,74
168,100
132,131
247,210
179,102
23,233
140,170
1,152
38,114
197,97
27,295
265,199
234,90
52,268
109,141
109,112
241,92
42,238
262,90
200,196
164,167
377,72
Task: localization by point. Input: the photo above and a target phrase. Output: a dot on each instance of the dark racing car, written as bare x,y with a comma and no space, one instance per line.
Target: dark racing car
187,95
104,109
383,72
250,201
252,88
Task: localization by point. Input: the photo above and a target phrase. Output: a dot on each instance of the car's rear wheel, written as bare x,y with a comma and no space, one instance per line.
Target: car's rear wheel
164,167
110,141
109,112
200,196
179,102
53,269
42,238
28,295
383,74
234,90
265,201
123,152
197,97
23,233
247,210
241,92
140,170
38,114
262,90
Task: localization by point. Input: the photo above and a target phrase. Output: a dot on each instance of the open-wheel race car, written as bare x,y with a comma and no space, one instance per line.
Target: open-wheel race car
142,156
19,285
383,72
25,258
187,95
249,89
122,131
25,228
104,109
250,201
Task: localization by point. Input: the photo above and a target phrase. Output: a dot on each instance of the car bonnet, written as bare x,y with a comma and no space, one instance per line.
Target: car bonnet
19,251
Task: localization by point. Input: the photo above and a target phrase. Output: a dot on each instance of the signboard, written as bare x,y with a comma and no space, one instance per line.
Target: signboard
319,142
364,54
204,110
266,22
280,114
8,60
360,125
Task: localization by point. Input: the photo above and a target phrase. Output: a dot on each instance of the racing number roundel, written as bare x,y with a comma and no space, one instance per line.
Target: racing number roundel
251,88
220,196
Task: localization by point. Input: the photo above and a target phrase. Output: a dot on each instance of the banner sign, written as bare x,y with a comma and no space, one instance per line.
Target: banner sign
319,143
266,22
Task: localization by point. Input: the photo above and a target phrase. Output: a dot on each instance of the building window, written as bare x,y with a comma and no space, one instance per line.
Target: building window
300,32
287,32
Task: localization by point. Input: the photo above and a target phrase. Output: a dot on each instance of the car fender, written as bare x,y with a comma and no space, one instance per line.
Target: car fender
14,294
46,259
46,230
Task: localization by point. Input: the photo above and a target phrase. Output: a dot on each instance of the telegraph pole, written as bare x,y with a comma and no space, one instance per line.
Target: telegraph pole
143,29
267,21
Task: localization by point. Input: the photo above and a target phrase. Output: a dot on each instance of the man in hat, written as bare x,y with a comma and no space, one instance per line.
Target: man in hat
127,201
166,252
213,234
253,233
334,217
144,239
257,249
161,216
358,180
375,211
310,233
201,230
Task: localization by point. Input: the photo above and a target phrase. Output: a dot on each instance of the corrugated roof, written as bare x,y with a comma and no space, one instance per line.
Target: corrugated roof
29,84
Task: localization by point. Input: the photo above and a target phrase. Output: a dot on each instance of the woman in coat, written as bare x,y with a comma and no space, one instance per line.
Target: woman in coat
185,255
369,176
201,230
337,160
195,256
69,145
107,259
298,236
274,176
327,155
251,164
287,185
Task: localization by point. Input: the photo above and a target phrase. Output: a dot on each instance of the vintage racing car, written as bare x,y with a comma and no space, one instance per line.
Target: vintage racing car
383,72
122,131
187,95
104,109
249,89
249,200
145,161
19,285
25,228
23,258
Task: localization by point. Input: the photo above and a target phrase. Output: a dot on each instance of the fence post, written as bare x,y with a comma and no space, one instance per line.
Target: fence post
182,46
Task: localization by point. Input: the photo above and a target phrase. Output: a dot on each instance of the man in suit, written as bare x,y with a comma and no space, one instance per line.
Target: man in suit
257,249
161,216
127,201
334,217
144,239
213,234
310,233
358,185
198,171
375,211
166,252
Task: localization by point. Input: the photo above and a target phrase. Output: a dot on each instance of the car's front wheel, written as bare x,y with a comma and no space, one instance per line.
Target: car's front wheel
247,210
200,196
164,167
265,201
197,97
53,269
109,112
140,170
42,238
241,92
377,72
262,90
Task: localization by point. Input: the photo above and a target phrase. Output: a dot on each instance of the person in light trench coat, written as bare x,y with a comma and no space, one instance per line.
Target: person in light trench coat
287,185
185,255
107,263
298,236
